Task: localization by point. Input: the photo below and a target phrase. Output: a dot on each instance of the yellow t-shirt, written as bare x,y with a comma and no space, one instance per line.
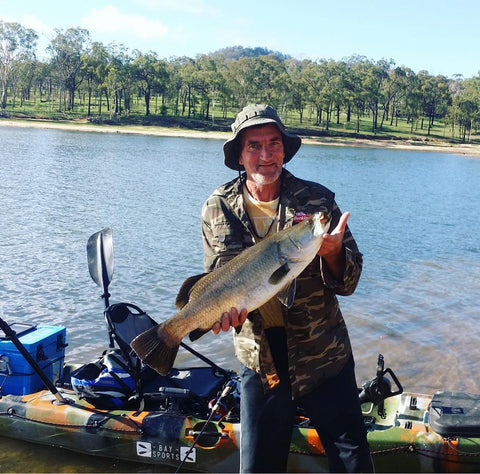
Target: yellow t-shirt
264,217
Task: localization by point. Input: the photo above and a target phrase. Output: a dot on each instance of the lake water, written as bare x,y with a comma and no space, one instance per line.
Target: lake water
415,216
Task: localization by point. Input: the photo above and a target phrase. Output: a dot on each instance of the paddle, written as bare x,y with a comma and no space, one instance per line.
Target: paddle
12,335
101,260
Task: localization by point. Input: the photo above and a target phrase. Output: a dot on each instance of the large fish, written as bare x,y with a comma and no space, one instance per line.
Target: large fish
247,281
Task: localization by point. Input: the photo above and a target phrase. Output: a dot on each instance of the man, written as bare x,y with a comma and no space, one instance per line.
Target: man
301,354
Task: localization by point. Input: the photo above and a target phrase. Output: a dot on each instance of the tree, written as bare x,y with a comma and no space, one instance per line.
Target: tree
67,50
205,78
466,102
297,90
119,77
94,66
375,75
436,97
17,44
151,75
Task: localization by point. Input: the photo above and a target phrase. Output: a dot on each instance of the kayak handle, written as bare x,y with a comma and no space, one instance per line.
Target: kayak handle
379,388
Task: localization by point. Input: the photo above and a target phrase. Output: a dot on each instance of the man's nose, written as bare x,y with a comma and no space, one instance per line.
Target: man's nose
265,151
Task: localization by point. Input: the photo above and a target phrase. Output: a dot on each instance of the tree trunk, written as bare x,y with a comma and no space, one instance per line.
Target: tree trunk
4,96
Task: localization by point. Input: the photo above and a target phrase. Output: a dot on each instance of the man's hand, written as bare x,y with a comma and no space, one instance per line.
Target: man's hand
332,247
230,320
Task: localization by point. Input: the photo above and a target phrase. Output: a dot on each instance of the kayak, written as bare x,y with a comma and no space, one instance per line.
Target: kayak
189,419
406,435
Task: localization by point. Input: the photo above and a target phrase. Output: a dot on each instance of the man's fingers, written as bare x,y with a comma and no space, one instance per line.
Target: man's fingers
342,223
225,322
233,317
216,328
243,316
229,320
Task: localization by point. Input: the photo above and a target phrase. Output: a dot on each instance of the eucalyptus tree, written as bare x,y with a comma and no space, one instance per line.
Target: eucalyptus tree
413,101
313,79
119,78
17,44
43,81
402,81
353,92
269,80
436,97
204,77
331,93
94,69
256,79
150,74
238,75
174,92
467,104
296,87
394,88
189,99
373,80
22,79
67,49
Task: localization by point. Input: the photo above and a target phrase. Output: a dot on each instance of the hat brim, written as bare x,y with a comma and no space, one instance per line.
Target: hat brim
231,148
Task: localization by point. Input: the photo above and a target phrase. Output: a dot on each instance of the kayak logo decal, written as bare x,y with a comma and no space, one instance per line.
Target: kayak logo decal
144,449
166,452
188,454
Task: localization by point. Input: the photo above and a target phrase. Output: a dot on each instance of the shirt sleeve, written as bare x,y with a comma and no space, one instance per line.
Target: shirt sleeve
353,262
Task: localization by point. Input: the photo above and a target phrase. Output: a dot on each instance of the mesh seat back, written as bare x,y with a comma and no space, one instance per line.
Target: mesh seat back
126,321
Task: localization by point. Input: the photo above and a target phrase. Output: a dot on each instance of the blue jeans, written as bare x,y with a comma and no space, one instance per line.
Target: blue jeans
334,410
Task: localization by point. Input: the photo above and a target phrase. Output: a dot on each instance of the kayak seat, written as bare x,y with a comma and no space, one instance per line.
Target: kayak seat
125,321
183,387
455,414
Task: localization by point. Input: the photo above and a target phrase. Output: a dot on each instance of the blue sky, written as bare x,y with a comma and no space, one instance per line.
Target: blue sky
442,37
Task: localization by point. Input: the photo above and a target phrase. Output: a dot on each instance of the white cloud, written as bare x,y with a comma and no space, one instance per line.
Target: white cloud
110,20
33,22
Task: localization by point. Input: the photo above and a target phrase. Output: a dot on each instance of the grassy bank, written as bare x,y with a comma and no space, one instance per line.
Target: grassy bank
402,135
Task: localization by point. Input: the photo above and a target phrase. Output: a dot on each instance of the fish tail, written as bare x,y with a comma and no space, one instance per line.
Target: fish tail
153,350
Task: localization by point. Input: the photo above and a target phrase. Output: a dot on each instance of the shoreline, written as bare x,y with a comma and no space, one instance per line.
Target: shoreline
465,149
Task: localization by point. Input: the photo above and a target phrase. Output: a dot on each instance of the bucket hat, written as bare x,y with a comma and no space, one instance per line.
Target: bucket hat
254,115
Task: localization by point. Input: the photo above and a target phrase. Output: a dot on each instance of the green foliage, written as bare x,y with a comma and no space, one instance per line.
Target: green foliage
355,96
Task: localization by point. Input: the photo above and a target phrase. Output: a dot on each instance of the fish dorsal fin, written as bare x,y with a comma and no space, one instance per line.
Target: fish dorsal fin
286,296
183,295
279,274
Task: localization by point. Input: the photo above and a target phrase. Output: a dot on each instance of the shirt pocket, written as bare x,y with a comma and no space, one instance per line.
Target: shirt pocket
227,238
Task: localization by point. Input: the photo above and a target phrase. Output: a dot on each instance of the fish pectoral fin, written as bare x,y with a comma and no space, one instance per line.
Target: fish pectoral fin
183,295
197,334
286,296
279,274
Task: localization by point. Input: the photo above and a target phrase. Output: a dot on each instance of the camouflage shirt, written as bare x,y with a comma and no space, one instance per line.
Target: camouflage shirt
317,337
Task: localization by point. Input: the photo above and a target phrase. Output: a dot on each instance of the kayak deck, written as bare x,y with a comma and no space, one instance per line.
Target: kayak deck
400,436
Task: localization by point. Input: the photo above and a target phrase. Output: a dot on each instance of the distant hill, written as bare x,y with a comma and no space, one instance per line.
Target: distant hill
237,52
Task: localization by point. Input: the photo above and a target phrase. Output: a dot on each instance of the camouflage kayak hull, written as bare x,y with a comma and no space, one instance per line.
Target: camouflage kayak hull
400,435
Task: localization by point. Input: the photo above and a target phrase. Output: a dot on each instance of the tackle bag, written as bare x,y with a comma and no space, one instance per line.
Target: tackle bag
106,383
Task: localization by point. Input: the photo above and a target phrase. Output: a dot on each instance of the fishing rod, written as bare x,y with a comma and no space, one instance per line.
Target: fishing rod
215,408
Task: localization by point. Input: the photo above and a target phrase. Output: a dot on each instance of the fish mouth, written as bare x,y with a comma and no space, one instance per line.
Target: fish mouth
319,227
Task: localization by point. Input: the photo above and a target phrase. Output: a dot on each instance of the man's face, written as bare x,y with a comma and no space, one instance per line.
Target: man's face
262,153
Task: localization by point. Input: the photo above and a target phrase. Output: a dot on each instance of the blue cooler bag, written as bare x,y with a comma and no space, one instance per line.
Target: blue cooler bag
46,344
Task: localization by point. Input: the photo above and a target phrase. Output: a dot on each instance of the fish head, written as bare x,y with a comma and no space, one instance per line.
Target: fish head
320,223
302,241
